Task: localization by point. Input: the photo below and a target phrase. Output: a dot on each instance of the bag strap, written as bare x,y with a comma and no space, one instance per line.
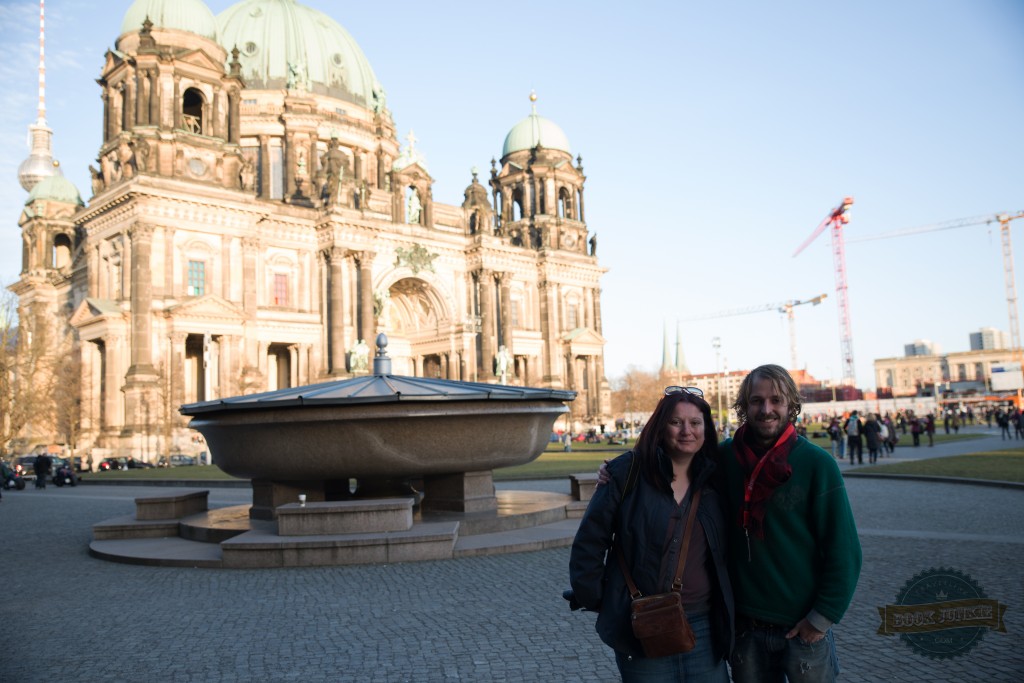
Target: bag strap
677,582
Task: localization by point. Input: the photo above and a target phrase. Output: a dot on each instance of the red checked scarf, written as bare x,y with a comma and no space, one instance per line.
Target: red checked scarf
775,472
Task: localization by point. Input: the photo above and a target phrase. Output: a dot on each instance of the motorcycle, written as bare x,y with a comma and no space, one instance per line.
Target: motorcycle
65,475
13,480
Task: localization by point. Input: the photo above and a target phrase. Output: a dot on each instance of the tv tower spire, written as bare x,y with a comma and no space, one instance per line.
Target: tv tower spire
40,163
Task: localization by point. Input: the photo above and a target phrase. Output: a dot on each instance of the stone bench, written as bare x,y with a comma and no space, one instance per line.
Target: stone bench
583,486
345,517
171,507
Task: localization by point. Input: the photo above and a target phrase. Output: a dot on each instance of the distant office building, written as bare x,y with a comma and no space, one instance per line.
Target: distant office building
912,375
989,339
921,347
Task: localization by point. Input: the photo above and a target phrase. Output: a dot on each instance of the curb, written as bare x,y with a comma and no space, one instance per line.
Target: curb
939,480
188,483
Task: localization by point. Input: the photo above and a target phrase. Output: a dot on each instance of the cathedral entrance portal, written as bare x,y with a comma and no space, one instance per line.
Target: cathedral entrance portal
418,323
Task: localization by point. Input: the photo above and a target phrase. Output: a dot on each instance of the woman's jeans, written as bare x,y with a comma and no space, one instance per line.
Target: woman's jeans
697,666
764,655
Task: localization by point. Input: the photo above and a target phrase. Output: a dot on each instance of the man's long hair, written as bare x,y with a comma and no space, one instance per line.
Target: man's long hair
650,439
781,381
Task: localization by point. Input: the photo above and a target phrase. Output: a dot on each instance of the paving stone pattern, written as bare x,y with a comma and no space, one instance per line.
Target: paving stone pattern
69,617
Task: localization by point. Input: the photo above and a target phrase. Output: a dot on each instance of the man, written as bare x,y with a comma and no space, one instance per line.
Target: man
853,438
42,465
794,553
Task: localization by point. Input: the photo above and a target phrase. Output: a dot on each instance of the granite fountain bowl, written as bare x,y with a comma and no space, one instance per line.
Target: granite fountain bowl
377,426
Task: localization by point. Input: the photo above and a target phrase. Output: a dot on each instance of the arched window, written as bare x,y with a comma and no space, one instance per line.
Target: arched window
518,210
564,203
192,111
474,222
61,251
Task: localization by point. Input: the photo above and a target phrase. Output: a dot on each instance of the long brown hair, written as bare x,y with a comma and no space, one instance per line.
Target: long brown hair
649,441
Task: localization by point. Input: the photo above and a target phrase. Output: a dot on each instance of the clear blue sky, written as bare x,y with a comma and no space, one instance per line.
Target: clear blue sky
715,137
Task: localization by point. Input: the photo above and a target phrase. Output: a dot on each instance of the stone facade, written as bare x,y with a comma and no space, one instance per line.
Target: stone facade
240,240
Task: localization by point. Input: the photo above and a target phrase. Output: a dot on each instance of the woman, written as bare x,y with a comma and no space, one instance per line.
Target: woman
675,456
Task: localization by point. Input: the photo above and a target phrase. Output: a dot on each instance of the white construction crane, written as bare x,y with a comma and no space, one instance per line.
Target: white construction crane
1004,220
785,307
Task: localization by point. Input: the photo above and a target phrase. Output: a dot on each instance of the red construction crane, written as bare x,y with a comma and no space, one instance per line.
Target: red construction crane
1004,227
782,307
836,219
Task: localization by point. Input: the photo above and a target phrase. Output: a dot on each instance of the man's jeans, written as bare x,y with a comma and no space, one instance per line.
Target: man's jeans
764,655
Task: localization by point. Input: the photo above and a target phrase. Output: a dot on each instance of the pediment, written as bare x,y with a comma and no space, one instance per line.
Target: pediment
97,310
209,307
583,338
414,173
198,57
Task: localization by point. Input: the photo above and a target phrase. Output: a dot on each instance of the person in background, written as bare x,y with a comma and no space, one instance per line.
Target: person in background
853,437
675,455
873,437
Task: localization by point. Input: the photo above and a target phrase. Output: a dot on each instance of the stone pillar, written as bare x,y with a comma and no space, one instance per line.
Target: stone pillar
265,169
579,217
597,311
154,99
290,159
486,281
234,116
551,364
219,115
113,349
141,110
177,378
142,298
505,280
336,335
250,303
366,318
128,106
108,109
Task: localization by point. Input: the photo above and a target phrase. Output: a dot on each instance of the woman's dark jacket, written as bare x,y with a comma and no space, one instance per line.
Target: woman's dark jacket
640,523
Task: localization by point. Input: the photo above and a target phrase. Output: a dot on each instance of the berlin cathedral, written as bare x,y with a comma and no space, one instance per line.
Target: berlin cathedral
256,221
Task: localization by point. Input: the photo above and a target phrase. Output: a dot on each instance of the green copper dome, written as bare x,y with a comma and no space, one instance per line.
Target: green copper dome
184,15
534,130
283,44
55,188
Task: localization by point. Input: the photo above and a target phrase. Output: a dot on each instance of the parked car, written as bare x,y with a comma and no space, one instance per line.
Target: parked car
134,464
108,464
24,465
176,460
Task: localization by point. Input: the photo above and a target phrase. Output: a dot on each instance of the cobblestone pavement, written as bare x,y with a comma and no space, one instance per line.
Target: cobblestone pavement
69,617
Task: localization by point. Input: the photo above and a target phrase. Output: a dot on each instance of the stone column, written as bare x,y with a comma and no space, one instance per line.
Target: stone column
141,298
219,115
551,363
234,116
579,217
336,335
154,99
265,169
250,258
141,111
178,340
130,93
290,159
108,109
505,280
597,310
486,282
366,318
225,267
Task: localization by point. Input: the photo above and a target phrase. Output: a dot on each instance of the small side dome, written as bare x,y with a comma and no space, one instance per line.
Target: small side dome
55,188
184,15
534,130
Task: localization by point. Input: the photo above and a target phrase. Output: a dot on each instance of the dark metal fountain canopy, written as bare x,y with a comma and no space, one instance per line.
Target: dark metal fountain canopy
380,387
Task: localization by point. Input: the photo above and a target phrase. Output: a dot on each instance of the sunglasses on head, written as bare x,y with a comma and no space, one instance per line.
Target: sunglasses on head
678,390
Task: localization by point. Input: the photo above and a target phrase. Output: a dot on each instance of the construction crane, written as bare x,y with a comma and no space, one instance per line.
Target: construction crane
785,307
836,219
1004,220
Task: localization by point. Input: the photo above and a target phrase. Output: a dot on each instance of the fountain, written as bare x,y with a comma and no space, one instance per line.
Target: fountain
420,452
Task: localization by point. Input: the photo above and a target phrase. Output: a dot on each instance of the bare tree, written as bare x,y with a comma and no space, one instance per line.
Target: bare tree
637,391
28,376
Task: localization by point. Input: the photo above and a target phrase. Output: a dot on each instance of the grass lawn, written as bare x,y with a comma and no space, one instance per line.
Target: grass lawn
1001,465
